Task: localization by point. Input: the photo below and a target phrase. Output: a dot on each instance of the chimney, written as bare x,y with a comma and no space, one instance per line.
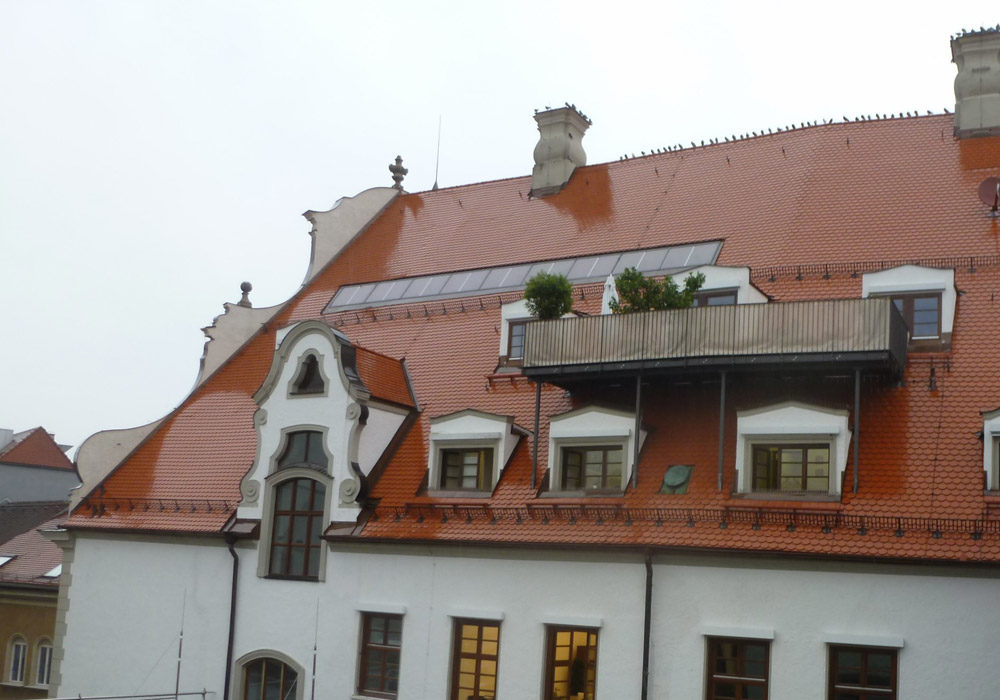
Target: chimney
559,150
977,85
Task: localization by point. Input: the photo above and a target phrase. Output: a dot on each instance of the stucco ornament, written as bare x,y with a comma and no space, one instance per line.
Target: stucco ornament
349,490
260,417
353,411
250,490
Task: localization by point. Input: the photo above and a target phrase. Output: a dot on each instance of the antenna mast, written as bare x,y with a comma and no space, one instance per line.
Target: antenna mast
437,160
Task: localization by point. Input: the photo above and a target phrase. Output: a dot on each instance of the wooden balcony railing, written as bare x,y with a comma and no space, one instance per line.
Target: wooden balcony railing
860,332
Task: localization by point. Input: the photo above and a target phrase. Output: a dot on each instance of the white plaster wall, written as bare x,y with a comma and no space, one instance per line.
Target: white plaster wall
374,438
914,278
948,625
719,277
20,483
126,601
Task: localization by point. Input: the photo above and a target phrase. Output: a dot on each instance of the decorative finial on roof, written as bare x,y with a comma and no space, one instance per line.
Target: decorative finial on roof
246,288
398,172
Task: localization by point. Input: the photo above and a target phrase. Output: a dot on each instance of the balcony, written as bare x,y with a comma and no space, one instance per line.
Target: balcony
865,334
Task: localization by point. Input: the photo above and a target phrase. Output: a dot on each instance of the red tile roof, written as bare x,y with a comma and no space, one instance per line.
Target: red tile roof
35,447
32,554
807,210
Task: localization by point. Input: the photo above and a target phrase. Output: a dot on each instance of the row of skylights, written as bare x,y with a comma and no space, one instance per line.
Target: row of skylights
492,280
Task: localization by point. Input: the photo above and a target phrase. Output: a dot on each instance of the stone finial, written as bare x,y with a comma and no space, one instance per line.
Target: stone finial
559,150
246,288
398,172
977,85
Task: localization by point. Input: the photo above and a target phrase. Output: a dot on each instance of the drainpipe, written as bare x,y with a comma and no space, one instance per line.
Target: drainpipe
231,541
646,624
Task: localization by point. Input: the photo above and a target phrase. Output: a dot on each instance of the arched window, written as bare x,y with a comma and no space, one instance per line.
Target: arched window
269,679
304,448
43,662
17,655
297,528
309,380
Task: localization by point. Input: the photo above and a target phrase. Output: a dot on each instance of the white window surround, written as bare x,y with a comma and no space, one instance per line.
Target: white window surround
863,640
514,311
991,449
300,672
719,277
470,429
283,443
915,278
572,621
591,425
382,608
791,422
475,614
736,632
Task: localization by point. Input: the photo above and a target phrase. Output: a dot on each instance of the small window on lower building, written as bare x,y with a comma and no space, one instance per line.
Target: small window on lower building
269,679
18,655
381,639
571,663
791,468
592,468
737,669
862,673
43,663
474,662
467,469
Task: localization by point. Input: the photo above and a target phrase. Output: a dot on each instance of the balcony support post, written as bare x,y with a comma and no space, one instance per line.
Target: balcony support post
857,423
534,437
722,425
638,424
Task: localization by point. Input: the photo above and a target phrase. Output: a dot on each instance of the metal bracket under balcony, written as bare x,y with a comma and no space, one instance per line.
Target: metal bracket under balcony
867,334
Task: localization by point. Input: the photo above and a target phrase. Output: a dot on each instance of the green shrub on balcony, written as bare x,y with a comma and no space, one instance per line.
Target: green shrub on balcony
549,296
638,293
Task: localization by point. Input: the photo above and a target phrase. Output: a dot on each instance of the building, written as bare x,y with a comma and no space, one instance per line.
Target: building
397,484
33,467
29,586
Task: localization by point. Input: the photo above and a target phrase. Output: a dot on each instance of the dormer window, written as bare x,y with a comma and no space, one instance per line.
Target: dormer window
925,297
591,451
309,379
468,452
723,286
715,297
467,469
304,448
515,340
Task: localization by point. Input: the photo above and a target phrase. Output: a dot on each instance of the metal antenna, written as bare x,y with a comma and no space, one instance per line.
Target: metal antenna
437,160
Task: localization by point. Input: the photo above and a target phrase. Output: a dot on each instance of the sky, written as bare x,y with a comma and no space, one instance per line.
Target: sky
154,155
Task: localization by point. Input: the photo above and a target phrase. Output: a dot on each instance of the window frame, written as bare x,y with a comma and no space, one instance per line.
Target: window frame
701,298
43,654
486,463
366,646
510,359
565,450
778,477
312,436
862,690
458,655
314,359
14,657
551,663
292,482
245,663
741,680
906,309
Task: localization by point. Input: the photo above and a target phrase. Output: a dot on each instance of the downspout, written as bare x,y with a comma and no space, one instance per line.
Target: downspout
230,541
646,625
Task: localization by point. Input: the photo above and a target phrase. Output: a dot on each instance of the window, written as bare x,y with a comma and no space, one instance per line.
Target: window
43,663
922,313
717,297
18,656
597,468
269,679
474,663
737,669
298,527
862,673
309,380
571,663
381,637
470,470
791,451
791,467
304,448
515,340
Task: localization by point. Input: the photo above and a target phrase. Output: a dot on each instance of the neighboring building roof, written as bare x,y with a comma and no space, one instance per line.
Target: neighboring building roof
27,555
35,447
808,210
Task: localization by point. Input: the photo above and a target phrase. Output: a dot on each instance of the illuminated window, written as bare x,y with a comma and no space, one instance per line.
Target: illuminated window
474,662
571,663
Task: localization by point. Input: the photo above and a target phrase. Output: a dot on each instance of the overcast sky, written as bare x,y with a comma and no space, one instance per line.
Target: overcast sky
153,155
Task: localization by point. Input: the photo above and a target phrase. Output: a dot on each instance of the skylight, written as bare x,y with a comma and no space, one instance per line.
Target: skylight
491,280
53,572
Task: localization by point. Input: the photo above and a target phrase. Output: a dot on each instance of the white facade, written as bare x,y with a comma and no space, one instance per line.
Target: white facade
940,618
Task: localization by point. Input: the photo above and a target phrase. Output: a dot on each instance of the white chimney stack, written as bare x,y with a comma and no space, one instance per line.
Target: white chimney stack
977,85
559,150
